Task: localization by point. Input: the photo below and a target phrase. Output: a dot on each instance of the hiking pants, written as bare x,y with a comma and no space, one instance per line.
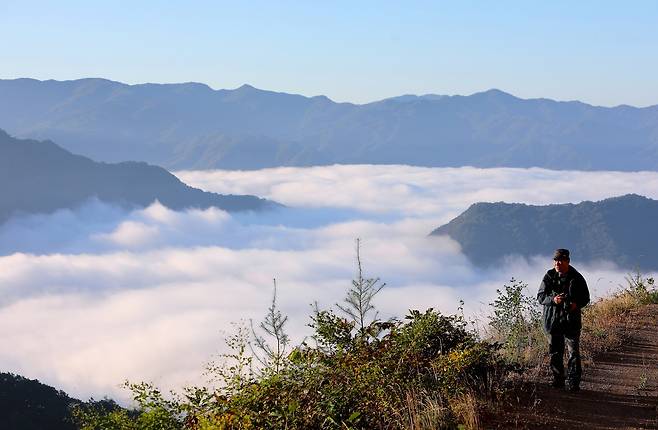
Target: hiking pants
556,352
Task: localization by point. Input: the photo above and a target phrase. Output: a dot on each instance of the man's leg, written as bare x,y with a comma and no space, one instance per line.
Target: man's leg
556,352
574,369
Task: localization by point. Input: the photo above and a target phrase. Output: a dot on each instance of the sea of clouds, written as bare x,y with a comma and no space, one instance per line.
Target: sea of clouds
97,295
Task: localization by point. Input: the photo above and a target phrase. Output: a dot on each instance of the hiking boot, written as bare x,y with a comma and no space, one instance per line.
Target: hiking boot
558,383
573,388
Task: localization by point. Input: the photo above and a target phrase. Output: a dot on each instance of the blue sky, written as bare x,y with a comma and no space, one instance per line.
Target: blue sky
600,52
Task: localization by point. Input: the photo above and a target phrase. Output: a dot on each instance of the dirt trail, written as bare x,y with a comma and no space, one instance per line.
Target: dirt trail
619,389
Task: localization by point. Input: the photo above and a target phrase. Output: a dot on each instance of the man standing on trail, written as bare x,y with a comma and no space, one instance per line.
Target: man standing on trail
563,292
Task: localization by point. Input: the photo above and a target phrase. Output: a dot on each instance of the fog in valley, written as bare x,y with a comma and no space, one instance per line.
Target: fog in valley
94,296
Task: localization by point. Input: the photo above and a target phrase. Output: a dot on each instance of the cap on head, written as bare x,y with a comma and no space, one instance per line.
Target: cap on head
561,254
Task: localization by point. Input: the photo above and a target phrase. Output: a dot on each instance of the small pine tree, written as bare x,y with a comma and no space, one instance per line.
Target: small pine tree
271,357
359,299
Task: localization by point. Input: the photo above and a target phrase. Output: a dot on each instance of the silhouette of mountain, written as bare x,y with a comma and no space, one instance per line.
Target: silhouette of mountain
27,404
41,177
192,126
620,229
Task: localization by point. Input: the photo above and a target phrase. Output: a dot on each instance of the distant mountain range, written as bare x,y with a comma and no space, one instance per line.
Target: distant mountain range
623,230
41,177
192,126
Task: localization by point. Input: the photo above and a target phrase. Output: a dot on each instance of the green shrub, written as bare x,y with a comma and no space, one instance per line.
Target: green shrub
359,385
641,288
154,412
516,323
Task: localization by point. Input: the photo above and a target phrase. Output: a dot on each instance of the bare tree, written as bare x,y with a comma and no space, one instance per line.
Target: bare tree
271,356
358,301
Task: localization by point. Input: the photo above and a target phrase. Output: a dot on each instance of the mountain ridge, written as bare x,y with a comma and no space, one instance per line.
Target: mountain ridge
192,126
29,404
41,177
619,229
429,96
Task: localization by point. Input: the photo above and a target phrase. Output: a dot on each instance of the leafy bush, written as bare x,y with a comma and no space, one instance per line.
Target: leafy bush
641,288
155,412
359,385
516,322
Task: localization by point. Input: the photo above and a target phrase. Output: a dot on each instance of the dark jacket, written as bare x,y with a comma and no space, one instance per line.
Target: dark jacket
557,318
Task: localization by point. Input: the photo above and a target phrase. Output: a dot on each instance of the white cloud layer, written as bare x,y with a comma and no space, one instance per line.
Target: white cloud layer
91,297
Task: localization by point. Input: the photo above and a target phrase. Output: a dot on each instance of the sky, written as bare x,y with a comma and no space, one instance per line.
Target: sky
599,52
95,296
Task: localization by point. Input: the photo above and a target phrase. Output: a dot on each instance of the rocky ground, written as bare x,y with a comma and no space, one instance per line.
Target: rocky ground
619,389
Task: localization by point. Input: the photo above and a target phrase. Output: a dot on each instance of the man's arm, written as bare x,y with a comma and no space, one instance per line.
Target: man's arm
544,296
583,292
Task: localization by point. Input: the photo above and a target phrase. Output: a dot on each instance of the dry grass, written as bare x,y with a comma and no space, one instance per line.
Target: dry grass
425,412
601,323
467,410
